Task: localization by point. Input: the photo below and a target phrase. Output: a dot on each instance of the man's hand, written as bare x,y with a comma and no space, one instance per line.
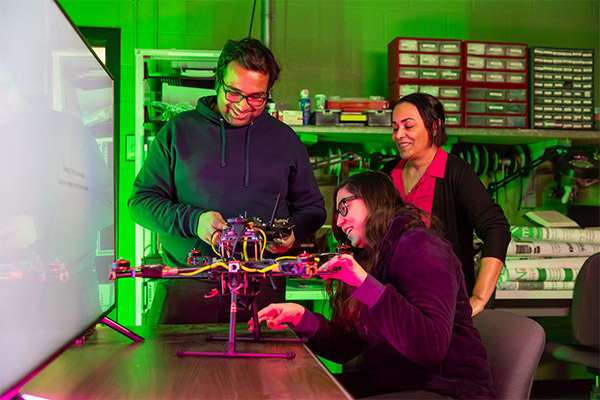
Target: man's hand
277,315
281,246
208,223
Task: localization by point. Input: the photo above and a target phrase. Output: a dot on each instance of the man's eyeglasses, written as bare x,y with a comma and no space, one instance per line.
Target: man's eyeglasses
236,97
342,207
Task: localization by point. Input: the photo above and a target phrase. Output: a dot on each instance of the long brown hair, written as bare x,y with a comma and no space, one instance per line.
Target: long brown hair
384,203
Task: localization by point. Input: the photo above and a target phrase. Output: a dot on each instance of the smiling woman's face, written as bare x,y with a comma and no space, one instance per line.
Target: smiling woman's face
353,223
410,134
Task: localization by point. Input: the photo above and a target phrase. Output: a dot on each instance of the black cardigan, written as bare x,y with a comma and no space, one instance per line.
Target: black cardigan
463,204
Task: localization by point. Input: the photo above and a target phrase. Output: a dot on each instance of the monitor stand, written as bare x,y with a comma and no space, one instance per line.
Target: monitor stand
121,329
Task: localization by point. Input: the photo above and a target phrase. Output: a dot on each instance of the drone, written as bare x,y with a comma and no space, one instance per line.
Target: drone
238,265
240,248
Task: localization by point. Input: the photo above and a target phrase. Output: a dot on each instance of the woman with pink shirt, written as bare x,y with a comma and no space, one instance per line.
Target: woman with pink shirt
446,186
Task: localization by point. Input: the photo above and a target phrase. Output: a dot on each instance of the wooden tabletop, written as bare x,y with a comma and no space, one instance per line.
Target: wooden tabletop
108,365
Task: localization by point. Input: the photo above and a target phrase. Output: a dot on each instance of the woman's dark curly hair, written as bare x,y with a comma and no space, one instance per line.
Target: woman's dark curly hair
384,203
432,113
252,55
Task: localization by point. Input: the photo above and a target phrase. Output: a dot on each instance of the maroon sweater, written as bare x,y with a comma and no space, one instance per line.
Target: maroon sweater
415,330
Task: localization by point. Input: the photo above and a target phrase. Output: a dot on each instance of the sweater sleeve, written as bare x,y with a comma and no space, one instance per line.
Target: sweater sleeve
484,214
152,203
335,344
414,312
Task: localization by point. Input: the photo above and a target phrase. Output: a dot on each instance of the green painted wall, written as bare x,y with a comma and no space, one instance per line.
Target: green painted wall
327,46
340,47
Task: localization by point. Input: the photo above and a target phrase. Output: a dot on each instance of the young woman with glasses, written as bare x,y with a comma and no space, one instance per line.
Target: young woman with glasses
400,301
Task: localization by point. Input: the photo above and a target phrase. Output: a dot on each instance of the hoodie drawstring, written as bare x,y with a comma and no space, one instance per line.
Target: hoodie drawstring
247,165
247,169
222,143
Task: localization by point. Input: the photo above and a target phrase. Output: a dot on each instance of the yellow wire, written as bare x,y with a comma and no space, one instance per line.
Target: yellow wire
262,270
264,243
212,244
199,270
245,251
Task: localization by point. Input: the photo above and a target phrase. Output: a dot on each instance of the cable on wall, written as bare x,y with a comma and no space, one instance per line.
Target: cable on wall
252,19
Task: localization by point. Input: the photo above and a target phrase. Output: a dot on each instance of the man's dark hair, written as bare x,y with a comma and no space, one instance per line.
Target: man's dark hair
432,112
252,55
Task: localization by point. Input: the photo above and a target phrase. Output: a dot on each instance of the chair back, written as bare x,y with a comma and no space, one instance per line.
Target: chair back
514,345
585,307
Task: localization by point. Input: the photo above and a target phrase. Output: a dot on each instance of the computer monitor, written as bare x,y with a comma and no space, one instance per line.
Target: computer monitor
57,236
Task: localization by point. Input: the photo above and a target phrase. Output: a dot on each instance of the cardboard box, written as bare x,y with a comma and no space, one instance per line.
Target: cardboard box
290,117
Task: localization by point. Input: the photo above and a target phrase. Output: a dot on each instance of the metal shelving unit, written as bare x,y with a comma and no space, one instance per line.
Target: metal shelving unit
156,70
363,134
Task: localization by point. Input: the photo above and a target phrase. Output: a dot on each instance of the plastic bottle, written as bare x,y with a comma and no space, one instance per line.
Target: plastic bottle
273,109
320,102
304,105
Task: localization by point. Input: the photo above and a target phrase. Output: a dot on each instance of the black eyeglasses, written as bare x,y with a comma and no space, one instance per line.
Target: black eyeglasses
342,207
236,97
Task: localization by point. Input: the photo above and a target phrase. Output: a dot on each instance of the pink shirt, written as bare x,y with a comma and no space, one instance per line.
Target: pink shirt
422,193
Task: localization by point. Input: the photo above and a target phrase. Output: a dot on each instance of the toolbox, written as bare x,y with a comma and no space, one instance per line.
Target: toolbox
496,107
379,117
493,63
353,118
562,88
358,104
449,96
495,85
326,117
424,59
345,118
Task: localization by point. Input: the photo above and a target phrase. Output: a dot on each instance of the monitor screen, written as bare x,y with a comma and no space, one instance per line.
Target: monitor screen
57,236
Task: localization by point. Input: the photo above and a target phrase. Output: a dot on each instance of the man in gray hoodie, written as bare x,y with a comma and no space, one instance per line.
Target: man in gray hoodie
226,158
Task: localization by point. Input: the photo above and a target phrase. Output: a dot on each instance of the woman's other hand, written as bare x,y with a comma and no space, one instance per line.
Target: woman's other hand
344,268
